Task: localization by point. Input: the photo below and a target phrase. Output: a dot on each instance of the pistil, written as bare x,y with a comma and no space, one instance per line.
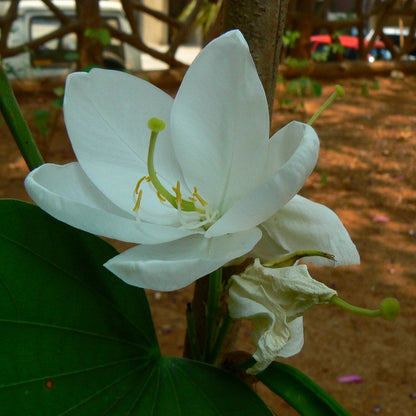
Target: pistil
176,200
339,92
389,308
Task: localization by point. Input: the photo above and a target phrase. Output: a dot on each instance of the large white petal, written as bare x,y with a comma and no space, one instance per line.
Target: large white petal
292,157
305,225
106,114
174,265
66,193
220,122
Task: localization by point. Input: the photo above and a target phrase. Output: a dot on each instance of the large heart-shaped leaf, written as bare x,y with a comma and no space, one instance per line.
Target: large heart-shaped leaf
76,340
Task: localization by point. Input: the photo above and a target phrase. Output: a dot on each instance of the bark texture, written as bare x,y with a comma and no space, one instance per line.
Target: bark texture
90,49
262,23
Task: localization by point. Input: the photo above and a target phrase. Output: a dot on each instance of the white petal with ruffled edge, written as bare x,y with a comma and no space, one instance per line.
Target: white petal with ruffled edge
304,225
265,354
66,193
174,265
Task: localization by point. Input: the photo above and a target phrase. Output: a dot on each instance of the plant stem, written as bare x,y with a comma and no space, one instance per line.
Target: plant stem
212,311
192,335
17,124
221,334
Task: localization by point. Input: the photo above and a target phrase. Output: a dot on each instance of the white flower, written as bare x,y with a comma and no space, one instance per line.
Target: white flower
222,175
275,300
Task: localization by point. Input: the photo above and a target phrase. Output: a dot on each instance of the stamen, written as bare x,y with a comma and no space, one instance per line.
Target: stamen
292,258
389,308
199,197
139,198
178,194
160,196
339,92
136,189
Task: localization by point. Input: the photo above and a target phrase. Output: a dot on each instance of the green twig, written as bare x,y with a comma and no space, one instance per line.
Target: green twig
212,310
17,124
222,331
192,334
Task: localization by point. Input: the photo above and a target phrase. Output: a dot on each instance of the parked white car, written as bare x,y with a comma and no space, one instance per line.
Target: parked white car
57,57
397,36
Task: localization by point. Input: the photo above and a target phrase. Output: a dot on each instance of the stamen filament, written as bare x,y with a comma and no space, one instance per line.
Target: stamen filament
292,258
339,92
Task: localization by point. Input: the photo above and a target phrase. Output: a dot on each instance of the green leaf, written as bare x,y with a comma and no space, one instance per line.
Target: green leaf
64,319
71,56
101,34
182,387
300,391
75,340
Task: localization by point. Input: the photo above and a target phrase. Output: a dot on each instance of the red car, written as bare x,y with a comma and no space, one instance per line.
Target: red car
320,43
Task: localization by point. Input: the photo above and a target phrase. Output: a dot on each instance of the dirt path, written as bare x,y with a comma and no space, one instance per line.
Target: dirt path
367,174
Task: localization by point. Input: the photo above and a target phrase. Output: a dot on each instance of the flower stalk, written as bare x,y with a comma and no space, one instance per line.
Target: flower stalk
17,124
213,308
192,335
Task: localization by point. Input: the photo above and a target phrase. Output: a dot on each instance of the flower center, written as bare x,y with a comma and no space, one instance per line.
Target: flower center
194,203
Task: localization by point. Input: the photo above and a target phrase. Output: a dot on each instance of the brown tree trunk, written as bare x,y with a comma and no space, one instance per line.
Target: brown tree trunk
262,23
304,24
90,49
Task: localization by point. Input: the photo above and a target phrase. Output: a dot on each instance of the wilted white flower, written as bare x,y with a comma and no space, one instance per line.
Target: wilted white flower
275,299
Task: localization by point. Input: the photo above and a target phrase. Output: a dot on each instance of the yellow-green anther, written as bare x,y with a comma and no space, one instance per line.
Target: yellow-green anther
339,92
156,125
389,308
